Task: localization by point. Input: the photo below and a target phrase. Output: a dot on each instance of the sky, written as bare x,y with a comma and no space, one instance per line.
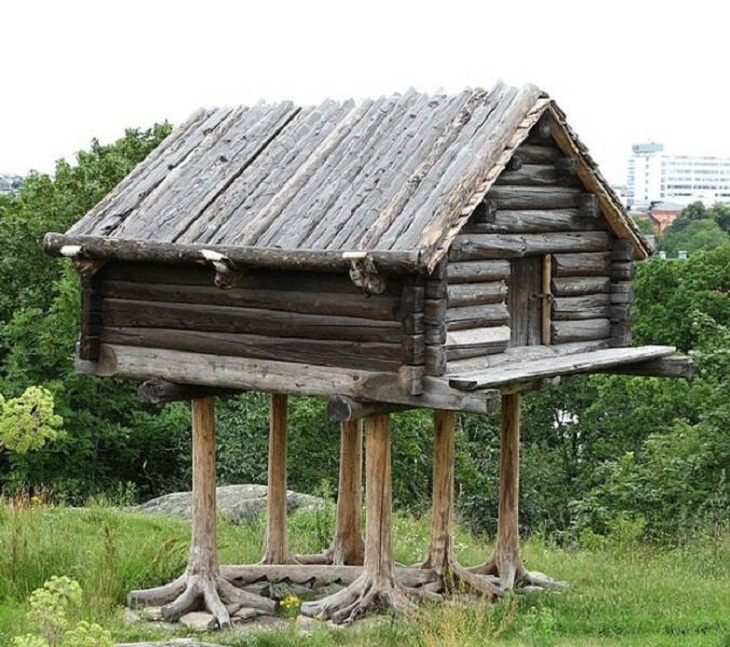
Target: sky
623,71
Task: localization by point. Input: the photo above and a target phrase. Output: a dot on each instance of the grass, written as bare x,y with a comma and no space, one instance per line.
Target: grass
619,595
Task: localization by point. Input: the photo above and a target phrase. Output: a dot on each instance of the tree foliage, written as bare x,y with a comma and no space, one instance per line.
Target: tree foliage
697,228
28,421
598,453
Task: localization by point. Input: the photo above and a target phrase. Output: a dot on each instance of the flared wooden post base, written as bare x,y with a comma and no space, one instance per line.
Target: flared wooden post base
505,564
201,586
376,587
453,578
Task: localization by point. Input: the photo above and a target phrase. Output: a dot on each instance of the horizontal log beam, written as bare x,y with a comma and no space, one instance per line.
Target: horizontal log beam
100,248
574,286
341,408
582,264
478,271
485,246
679,366
279,377
563,332
532,197
373,356
318,303
161,391
119,313
535,221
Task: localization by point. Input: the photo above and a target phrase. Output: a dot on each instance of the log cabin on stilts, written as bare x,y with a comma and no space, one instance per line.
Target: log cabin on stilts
447,252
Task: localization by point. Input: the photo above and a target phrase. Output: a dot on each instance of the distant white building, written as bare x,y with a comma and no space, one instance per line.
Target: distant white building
655,176
10,183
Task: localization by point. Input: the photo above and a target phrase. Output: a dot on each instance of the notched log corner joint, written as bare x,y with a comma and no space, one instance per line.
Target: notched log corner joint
227,273
364,274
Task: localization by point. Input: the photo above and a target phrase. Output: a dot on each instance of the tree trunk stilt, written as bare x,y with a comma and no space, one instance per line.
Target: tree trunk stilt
202,584
348,546
376,587
441,556
506,562
276,550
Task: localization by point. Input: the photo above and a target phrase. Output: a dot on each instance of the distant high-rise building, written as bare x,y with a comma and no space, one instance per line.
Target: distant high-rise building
655,176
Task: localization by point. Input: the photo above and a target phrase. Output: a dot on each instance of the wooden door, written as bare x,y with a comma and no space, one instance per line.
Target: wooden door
525,301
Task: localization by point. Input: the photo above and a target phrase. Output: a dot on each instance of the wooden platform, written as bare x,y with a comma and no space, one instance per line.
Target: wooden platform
591,362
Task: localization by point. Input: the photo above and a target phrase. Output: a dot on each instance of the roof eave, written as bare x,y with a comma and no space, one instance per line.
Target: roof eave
101,248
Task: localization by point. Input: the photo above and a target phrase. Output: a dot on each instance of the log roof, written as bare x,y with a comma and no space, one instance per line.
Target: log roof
396,177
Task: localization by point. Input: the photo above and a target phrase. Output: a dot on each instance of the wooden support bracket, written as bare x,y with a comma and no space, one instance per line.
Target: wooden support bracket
343,409
157,391
364,274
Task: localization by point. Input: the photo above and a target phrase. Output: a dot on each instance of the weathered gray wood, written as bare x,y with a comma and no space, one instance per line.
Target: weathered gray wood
566,365
410,379
94,247
620,312
564,332
159,391
581,307
435,335
459,175
566,166
670,366
525,303
435,362
622,293
378,307
475,342
304,573
529,197
470,294
434,311
621,334
581,264
622,271
573,286
437,289
341,408
484,246
532,154
534,221
588,207
529,175
209,172
525,353
92,318
432,148
371,147
374,356
622,250
477,271
492,314
255,321
279,377
413,348
251,191
145,178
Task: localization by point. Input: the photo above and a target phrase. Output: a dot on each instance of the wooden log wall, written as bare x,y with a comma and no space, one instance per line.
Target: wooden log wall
302,317
537,207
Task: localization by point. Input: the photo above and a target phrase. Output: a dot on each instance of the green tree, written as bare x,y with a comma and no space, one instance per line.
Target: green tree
697,235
